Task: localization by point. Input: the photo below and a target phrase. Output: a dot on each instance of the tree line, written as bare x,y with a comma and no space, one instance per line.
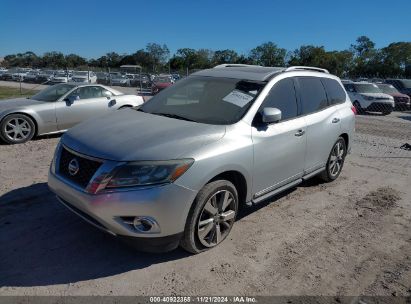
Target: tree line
362,58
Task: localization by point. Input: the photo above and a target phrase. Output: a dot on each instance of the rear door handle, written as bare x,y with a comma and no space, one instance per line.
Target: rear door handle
335,120
300,133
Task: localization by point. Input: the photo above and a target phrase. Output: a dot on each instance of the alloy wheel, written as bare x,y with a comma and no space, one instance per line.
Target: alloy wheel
17,129
336,159
216,218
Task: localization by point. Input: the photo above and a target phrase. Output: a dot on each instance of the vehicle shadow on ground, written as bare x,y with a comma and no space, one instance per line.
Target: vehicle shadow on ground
407,117
244,212
42,243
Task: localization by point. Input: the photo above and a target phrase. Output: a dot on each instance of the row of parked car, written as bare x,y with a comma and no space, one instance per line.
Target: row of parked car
151,82
47,76
379,95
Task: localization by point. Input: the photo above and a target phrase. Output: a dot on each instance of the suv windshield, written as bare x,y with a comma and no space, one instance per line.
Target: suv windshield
81,73
53,93
208,100
387,88
367,88
406,83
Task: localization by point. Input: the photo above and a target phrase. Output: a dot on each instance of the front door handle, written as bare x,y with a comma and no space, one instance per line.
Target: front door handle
335,120
300,133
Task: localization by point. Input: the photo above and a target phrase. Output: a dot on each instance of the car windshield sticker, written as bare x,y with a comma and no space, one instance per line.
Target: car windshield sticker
238,98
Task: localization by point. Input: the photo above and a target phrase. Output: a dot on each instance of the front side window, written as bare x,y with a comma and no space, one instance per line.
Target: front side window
209,100
312,94
88,92
282,96
335,92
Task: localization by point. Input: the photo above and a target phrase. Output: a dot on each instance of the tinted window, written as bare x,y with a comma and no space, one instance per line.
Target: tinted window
312,94
335,92
282,96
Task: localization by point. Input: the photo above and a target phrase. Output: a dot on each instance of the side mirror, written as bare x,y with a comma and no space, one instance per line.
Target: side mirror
271,115
70,99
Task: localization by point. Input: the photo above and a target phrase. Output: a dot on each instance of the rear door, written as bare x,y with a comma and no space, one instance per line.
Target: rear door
322,119
92,101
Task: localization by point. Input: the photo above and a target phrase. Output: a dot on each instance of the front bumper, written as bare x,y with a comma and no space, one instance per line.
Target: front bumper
380,106
168,205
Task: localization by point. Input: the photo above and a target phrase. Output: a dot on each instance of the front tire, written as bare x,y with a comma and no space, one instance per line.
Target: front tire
335,161
211,217
17,129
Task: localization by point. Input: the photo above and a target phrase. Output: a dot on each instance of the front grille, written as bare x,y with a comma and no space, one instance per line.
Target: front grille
87,168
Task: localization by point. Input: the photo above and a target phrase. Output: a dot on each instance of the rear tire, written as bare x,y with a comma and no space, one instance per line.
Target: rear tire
211,217
17,129
357,106
335,161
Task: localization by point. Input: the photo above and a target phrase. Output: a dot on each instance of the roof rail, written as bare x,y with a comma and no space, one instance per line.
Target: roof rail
308,68
232,65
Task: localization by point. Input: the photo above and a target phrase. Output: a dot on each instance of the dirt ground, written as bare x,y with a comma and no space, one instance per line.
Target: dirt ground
349,237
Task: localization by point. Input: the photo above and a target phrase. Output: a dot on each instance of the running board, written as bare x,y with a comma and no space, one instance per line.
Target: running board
314,173
276,191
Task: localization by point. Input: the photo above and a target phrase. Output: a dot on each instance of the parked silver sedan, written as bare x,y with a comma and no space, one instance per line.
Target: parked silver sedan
57,108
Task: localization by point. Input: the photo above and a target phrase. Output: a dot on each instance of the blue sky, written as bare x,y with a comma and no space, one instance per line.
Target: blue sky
93,28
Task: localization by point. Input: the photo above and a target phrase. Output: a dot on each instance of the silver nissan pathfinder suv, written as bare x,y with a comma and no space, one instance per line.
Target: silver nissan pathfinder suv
176,170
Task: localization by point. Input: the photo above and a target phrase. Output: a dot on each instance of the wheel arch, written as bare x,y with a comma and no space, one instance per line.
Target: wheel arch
346,139
238,180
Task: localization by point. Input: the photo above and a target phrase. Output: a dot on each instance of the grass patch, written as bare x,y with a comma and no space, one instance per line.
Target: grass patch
6,92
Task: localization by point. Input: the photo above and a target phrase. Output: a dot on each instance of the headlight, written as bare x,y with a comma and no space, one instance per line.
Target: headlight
54,160
368,97
148,173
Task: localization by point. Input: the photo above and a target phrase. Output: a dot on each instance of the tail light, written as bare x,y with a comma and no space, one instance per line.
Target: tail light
354,109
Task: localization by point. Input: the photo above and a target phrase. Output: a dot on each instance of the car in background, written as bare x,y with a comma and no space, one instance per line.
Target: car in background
84,77
120,80
2,72
8,75
19,75
58,108
402,85
176,76
103,78
61,77
402,101
45,76
31,76
366,96
160,83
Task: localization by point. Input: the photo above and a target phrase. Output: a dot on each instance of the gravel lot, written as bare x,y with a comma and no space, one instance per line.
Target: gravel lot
350,237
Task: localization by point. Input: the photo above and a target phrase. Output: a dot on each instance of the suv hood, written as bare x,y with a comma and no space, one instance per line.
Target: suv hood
17,102
130,135
377,95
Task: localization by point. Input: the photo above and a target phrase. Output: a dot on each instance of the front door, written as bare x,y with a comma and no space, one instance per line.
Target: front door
279,148
82,104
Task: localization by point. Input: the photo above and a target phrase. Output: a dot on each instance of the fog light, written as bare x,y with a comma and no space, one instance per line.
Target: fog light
142,224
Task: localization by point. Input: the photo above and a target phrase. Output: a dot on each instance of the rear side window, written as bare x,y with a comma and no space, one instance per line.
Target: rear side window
335,92
312,94
282,96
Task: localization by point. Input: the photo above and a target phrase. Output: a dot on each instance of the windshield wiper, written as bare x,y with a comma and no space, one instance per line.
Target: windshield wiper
173,116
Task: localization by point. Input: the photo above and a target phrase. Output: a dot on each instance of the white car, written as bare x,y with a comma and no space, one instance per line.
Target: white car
61,77
19,75
366,96
31,76
84,77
